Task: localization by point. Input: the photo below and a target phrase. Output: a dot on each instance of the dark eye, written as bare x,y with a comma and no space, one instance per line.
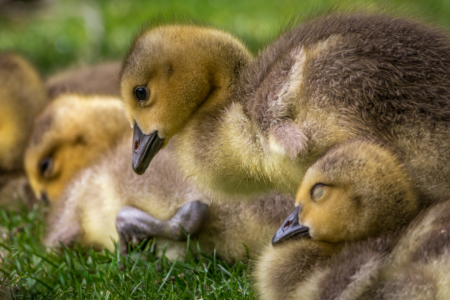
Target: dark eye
141,93
45,166
317,191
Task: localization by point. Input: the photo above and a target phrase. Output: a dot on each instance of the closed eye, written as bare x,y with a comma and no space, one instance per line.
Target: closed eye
45,167
317,191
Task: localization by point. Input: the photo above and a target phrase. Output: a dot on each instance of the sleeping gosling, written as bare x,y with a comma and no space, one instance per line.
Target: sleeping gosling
72,132
357,197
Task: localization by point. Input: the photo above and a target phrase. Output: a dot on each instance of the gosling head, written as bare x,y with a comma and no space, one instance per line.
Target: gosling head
70,134
170,72
356,191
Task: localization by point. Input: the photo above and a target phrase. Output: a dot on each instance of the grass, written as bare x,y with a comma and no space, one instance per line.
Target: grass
76,32
86,274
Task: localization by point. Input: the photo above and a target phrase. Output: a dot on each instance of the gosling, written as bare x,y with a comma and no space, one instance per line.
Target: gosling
244,126
108,202
22,97
357,197
72,132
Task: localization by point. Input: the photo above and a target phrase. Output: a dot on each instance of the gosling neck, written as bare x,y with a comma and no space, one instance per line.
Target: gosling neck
230,156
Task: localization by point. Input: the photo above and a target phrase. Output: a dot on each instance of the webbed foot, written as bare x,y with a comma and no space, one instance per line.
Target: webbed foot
134,225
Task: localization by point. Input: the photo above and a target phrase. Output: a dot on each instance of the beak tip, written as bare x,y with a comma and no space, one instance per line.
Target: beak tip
275,239
137,170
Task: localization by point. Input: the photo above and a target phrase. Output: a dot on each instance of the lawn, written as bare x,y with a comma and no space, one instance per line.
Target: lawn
81,273
76,32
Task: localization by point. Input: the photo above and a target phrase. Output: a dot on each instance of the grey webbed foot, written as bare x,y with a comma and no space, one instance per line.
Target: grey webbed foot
192,217
134,225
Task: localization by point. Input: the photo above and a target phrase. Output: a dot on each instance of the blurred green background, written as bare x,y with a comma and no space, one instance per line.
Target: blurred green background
57,34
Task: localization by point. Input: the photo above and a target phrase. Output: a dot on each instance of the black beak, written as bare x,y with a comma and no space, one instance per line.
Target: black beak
290,228
145,148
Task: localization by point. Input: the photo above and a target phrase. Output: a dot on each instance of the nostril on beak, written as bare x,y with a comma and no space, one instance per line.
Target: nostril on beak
291,228
136,145
286,225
